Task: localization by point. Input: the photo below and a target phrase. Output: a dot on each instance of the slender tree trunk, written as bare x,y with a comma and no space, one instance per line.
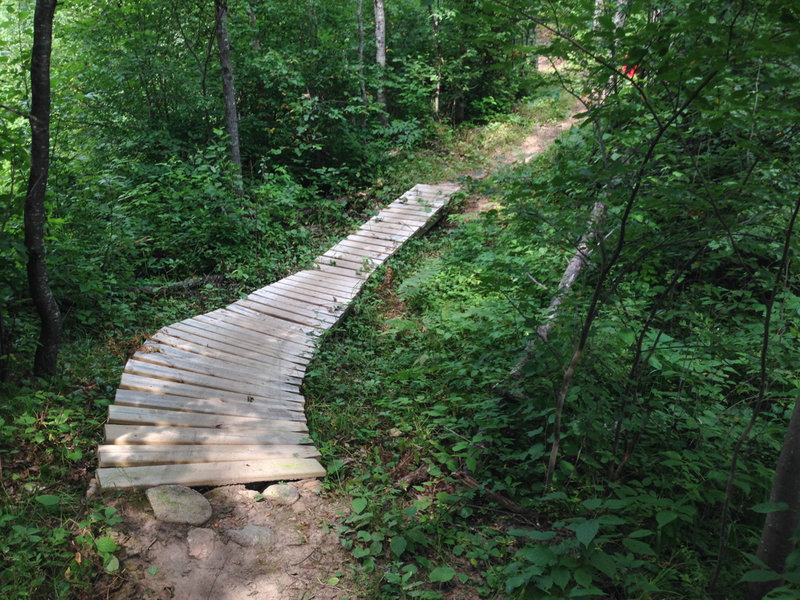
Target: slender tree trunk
228,89
361,80
776,538
46,359
439,62
380,55
5,346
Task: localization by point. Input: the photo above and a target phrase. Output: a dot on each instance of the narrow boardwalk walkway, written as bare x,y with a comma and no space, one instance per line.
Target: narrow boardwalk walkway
216,399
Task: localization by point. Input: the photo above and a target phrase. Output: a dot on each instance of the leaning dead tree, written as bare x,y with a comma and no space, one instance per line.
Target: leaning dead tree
573,270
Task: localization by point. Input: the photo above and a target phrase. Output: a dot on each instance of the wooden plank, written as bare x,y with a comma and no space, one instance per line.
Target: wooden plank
236,336
376,225
352,262
382,235
366,236
141,383
348,254
445,189
223,473
248,387
132,415
315,327
217,406
302,286
158,354
343,291
361,272
267,326
129,456
426,205
268,301
221,339
394,220
258,359
155,435
408,214
297,302
379,256
301,293
261,320
347,286
370,242
260,303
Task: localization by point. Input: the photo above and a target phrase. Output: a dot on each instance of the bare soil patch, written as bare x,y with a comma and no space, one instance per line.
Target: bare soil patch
163,561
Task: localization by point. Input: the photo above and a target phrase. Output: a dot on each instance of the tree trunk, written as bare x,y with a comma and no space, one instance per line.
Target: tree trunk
228,89
361,80
780,526
439,62
46,359
380,55
5,346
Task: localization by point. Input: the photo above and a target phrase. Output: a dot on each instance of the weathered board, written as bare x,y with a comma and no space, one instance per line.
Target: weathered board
215,399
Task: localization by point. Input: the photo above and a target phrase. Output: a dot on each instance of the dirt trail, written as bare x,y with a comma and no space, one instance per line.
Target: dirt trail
537,142
303,558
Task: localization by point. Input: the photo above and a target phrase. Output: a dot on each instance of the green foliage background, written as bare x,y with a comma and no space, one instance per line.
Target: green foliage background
694,159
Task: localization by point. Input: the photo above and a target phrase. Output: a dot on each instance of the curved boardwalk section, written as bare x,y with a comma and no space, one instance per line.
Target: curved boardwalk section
216,399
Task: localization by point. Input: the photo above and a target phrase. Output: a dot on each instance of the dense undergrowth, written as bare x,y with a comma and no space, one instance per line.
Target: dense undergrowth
409,401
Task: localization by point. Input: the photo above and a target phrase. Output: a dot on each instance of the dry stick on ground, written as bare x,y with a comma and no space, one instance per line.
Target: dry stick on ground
180,286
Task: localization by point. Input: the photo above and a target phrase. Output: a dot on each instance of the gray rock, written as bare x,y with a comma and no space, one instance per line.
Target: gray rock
282,494
310,486
201,542
250,536
178,504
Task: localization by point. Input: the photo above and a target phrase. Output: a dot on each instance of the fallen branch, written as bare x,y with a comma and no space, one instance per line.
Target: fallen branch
179,286
506,503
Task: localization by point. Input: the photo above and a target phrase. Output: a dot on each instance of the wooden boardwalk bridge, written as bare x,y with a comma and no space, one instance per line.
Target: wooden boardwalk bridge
215,399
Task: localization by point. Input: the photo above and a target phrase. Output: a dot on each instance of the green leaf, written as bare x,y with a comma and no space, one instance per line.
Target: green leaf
105,544
586,531
640,533
583,577
603,563
48,499
112,564
593,503
359,504
398,545
560,577
638,547
442,574
760,575
766,507
665,517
